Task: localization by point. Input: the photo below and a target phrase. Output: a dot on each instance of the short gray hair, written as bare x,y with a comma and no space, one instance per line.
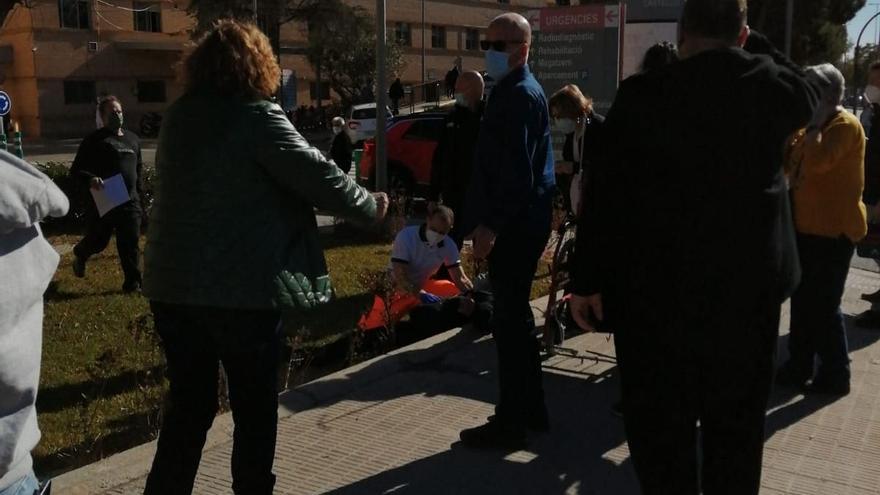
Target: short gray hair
829,79
337,121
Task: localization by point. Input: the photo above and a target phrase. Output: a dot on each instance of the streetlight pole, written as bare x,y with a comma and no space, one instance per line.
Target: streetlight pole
381,99
856,61
423,42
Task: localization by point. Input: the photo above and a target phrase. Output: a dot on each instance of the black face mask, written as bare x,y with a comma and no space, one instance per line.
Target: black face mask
114,121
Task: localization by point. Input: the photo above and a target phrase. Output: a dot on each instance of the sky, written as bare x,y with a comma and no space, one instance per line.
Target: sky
855,25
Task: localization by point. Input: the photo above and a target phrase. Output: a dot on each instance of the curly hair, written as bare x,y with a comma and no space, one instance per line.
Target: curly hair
235,58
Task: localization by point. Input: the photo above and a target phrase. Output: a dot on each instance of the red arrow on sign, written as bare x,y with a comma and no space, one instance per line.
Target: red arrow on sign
610,16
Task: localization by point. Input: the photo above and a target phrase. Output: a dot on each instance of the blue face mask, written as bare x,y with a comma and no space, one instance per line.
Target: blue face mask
496,64
565,126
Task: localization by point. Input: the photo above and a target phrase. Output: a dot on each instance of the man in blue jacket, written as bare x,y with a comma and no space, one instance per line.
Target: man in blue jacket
508,214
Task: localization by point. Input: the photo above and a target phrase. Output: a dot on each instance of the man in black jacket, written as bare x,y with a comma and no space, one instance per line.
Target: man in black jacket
692,283
871,195
453,161
107,152
341,148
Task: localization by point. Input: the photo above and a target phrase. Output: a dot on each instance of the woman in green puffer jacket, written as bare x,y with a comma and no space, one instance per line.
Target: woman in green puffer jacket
232,243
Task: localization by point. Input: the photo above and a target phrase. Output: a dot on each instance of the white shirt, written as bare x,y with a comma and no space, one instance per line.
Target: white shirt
423,259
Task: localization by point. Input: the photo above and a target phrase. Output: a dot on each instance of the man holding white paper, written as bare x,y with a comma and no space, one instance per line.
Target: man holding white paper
109,163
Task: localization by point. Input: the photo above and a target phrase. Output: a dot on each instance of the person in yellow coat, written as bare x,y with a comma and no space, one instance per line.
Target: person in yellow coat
825,168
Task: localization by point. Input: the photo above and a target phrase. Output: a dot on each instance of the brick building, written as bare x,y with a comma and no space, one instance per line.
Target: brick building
58,56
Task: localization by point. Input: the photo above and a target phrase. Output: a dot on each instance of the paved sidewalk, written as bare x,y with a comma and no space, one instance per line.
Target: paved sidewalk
390,426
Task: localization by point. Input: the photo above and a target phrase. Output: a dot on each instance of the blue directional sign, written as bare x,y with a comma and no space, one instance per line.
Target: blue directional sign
5,103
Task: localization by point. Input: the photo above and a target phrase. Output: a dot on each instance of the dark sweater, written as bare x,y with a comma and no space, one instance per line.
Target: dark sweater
104,154
687,212
872,158
453,161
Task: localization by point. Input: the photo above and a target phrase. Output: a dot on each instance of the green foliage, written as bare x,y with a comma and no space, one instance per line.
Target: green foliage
868,54
342,44
819,26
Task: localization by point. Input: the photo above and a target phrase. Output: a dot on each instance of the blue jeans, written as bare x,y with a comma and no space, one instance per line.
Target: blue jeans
817,326
25,486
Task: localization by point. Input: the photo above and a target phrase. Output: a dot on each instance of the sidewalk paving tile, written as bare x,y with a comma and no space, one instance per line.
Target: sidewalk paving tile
391,426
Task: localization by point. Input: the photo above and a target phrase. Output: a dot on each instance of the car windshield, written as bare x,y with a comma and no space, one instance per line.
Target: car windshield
364,113
368,113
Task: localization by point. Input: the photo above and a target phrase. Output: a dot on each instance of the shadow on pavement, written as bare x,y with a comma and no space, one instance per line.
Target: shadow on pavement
792,410
584,451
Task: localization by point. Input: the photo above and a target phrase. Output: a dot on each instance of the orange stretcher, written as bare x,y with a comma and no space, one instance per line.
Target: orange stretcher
402,304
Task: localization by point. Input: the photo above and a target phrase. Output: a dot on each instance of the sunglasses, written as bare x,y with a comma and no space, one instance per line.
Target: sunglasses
498,46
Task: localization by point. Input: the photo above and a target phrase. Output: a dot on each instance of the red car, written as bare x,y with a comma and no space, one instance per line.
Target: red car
411,144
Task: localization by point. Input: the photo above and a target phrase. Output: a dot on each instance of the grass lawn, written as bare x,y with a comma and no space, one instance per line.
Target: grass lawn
102,374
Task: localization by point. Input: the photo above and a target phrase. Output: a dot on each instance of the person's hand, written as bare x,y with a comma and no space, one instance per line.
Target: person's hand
428,298
564,168
582,307
875,213
466,306
484,241
381,205
96,183
467,284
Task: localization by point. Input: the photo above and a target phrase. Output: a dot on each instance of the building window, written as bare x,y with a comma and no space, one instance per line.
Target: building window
151,91
76,92
403,34
438,37
147,17
471,39
325,90
74,14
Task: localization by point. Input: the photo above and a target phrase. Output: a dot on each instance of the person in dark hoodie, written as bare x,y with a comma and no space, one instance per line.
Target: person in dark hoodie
692,285
110,151
453,161
27,264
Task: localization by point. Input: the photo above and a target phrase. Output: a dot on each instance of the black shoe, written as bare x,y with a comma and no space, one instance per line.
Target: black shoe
494,435
79,267
133,288
824,385
873,297
537,423
869,319
792,376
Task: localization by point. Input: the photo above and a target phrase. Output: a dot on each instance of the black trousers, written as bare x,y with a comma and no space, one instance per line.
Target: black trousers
125,222
196,340
817,324
678,373
512,266
430,319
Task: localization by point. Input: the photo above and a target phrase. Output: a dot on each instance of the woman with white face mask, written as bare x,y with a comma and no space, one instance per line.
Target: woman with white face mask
340,150
573,115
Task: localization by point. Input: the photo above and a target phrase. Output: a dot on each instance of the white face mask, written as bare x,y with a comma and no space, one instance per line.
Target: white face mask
434,238
872,93
337,129
565,126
